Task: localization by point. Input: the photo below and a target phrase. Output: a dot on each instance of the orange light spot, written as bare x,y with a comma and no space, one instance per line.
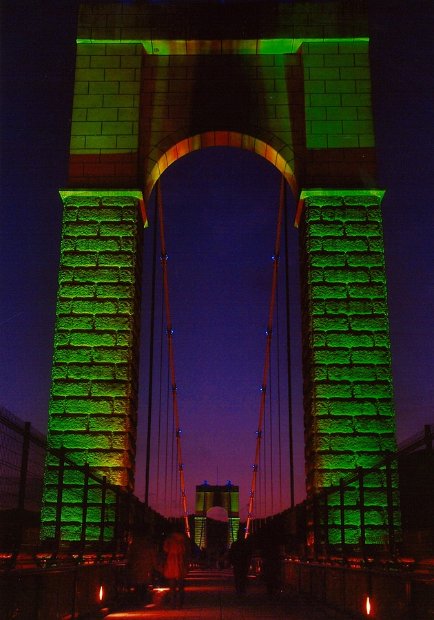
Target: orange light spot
368,606
271,154
172,155
221,138
101,593
183,148
248,142
260,147
208,139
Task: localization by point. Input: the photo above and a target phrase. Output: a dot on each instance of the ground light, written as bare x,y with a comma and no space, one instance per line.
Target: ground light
158,594
103,611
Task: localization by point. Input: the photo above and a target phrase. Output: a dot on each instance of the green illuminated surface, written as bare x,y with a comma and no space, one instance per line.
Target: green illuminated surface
337,90
170,47
345,323
322,198
205,500
92,410
100,193
348,394
108,75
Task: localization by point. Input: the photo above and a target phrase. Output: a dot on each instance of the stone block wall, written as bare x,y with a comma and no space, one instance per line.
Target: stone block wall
340,137
93,404
189,94
349,414
337,88
293,77
289,82
105,117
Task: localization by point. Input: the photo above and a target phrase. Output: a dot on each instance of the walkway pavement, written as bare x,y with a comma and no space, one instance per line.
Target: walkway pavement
210,596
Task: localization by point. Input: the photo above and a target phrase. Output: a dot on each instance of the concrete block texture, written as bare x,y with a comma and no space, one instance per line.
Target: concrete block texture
348,397
149,77
93,404
288,81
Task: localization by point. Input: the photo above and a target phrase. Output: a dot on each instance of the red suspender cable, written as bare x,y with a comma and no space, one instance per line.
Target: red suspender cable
267,355
169,331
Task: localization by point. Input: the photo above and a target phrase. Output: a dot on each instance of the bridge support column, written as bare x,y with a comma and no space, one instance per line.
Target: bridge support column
349,414
93,405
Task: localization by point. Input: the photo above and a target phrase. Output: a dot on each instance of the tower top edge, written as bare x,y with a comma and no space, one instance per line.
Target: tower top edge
171,19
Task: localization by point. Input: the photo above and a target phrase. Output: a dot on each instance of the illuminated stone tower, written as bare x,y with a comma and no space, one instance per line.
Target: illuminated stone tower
290,82
207,497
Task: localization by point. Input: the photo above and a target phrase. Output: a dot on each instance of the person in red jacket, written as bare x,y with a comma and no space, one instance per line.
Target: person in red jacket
176,548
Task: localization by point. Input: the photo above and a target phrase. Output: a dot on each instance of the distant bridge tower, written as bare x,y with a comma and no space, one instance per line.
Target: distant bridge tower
210,496
290,82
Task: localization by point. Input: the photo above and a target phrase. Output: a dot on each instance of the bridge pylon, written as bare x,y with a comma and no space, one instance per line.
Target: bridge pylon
290,82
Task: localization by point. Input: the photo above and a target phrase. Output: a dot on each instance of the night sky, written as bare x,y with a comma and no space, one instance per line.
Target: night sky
221,210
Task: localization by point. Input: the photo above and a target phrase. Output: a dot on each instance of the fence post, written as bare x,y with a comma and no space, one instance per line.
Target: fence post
60,475
116,525
85,506
428,437
316,529
22,490
390,507
360,474
326,524
102,524
342,514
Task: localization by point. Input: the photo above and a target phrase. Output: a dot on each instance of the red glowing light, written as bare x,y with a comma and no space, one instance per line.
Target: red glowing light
101,593
368,606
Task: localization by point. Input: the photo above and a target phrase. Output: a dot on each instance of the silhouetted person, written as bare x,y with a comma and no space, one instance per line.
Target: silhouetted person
271,566
142,557
176,547
239,557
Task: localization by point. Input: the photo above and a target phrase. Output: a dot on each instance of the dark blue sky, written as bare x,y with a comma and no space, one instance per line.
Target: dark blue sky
215,201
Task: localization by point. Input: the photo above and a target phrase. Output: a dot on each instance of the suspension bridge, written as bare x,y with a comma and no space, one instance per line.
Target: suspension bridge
289,83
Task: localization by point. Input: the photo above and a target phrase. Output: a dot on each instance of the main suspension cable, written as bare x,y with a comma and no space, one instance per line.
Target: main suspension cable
151,360
160,402
169,331
270,424
279,411
288,358
267,355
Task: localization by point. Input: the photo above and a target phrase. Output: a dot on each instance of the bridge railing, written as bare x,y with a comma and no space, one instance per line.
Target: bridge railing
360,517
106,513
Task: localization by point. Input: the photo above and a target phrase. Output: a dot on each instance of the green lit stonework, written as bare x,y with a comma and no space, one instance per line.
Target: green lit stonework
207,497
180,47
93,405
290,84
337,91
349,414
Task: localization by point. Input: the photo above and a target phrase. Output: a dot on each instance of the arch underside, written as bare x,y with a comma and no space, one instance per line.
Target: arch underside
233,139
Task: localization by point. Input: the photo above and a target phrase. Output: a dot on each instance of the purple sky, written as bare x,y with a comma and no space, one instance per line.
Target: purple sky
221,208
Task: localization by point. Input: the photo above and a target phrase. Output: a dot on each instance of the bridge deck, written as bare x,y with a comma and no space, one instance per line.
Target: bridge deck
210,596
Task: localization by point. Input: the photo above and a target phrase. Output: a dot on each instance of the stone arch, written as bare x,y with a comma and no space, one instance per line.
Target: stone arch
267,146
